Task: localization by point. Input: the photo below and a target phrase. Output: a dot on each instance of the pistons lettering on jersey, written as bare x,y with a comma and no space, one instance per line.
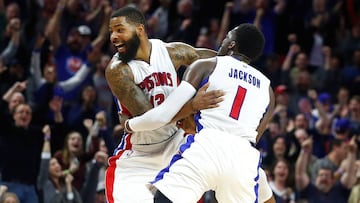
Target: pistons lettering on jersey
156,79
241,75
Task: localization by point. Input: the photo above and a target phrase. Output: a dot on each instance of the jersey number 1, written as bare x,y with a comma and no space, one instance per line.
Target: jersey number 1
238,102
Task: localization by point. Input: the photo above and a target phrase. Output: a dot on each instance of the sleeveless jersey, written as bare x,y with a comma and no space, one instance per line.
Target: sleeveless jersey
245,101
157,80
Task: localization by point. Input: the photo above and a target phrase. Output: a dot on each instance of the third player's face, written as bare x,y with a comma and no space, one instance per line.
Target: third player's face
124,37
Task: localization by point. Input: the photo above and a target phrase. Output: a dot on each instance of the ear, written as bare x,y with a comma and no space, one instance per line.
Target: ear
140,30
232,44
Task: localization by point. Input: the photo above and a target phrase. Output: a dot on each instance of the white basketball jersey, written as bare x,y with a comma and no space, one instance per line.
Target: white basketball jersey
157,80
245,102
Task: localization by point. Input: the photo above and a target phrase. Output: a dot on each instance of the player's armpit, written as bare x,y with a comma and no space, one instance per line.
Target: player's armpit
120,80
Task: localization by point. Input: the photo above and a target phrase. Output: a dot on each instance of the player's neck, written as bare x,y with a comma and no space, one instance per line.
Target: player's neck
144,52
240,57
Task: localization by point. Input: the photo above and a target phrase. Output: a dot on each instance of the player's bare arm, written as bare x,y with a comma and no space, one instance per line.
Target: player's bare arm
267,117
184,54
203,99
121,82
174,107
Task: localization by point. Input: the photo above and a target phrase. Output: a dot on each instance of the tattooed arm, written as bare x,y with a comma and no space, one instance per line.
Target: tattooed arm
121,82
184,54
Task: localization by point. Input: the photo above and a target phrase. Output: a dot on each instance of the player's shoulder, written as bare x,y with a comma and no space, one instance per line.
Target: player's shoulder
178,47
205,64
207,60
116,66
115,63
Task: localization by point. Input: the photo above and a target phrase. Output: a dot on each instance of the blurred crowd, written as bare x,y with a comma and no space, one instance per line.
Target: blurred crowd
59,122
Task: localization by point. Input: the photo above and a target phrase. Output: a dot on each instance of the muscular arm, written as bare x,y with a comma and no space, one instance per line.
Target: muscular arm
184,54
121,82
122,85
267,117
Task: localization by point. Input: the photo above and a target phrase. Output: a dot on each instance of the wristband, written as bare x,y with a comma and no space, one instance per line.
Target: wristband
70,195
47,137
67,171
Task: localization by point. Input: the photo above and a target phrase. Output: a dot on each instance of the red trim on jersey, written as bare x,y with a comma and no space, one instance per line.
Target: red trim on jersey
125,111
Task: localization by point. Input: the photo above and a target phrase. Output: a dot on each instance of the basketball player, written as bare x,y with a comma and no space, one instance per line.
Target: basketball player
221,156
141,75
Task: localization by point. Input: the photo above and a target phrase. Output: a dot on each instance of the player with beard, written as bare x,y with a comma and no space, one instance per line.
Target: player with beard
141,75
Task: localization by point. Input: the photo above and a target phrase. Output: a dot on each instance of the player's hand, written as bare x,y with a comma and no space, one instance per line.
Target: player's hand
207,99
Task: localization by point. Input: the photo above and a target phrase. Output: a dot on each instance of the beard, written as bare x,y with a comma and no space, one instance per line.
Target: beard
131,48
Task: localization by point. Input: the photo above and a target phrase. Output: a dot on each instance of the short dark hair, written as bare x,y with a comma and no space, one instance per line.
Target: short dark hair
132,15
335,142
250,40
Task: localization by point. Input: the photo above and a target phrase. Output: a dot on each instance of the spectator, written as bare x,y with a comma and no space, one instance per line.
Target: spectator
342,129
70,55
105,98
327,77
281,183
341,106
158,22
355,191
19,138
354,114
94,189
46,85
3,189
73,158
279,150
54,183
186,26
333,159
9,197
85,108
327,188
351,73
301,135
283,110
272,69
12,98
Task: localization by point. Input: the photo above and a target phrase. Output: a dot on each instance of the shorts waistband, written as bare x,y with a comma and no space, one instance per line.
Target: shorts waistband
156,147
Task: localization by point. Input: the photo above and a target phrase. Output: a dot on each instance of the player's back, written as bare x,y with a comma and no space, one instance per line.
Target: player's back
245,101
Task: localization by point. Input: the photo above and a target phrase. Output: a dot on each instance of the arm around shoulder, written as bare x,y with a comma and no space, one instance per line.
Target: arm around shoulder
184,54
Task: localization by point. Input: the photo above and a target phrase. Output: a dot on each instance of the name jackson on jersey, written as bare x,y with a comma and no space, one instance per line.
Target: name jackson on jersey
156,79
241,75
